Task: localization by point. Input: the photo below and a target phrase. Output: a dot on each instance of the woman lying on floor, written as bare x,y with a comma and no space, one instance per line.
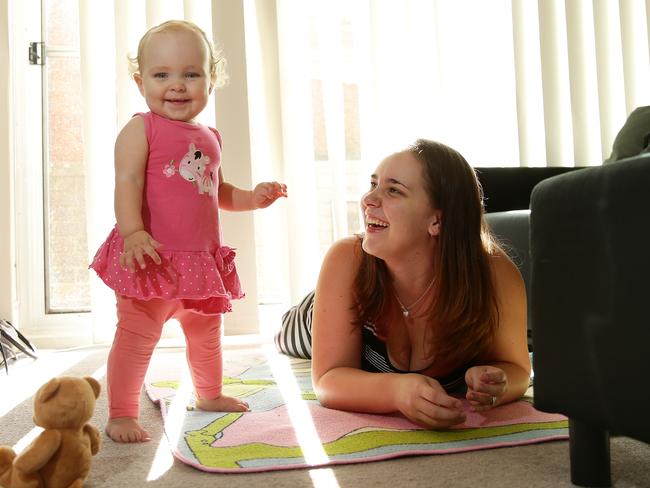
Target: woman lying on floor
422,307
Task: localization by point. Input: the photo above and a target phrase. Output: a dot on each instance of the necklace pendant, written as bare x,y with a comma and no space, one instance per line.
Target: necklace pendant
405,310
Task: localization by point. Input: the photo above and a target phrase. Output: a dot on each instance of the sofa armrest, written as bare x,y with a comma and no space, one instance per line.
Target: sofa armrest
590,266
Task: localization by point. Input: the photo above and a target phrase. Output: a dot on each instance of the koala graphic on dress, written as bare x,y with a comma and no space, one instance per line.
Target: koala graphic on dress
192,167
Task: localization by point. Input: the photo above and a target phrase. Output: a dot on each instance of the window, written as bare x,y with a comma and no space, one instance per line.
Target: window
51,251
341,176
66,250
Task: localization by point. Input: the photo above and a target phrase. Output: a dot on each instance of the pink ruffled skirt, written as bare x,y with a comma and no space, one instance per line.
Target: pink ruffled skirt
204,282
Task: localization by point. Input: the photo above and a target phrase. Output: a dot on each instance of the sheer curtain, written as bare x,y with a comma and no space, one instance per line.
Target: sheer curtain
109,32
506,82
321,90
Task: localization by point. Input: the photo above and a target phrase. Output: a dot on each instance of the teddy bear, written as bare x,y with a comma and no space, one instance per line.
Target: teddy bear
61,455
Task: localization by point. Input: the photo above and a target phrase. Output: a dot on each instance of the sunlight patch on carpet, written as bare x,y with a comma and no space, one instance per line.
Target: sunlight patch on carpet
302,421
323,478
22,443
21,383
163,460
20,446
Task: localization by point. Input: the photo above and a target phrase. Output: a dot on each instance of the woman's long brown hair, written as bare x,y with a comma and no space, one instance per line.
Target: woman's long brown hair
464,314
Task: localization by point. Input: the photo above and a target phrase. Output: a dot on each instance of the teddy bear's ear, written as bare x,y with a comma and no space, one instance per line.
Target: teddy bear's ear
94,384
49,389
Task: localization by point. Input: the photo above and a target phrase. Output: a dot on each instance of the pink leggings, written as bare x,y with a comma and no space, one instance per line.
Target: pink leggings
139,325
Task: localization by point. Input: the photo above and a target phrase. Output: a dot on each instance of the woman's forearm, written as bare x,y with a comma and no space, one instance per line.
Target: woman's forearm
518,380
352,389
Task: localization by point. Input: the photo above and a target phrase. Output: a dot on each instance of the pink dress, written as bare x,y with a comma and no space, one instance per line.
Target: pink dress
180,209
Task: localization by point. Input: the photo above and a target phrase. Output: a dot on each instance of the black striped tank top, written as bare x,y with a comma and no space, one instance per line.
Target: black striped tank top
374,358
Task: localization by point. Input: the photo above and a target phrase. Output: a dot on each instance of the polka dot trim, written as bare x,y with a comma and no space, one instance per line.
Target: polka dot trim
207,282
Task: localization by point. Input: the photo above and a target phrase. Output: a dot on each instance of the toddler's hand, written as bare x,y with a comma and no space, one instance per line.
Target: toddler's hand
265,194
136,245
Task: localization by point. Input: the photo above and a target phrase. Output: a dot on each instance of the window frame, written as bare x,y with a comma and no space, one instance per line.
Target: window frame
47,329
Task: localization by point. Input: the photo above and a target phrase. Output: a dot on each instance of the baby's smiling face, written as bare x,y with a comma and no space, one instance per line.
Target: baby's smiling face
174,75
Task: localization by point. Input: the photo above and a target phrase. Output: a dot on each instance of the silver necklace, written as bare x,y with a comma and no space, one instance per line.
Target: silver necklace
406,311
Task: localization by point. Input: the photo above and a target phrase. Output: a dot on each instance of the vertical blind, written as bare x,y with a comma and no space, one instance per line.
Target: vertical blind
506,82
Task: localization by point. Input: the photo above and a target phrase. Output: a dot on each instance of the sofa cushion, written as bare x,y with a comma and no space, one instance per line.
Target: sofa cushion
634,137
509,188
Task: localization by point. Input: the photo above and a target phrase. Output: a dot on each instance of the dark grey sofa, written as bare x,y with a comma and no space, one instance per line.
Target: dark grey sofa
507,200
590,291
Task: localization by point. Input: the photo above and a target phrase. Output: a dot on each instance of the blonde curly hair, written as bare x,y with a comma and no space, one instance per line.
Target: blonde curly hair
218,74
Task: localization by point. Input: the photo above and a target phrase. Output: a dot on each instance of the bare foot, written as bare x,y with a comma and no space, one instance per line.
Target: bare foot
222,403
126,429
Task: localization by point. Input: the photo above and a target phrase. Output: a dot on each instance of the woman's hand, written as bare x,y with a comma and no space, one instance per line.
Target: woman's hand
424,401
485,386
136,245
265,194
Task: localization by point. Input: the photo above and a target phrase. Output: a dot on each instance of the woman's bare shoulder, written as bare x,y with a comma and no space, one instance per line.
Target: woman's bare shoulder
341,260
504,269
348,248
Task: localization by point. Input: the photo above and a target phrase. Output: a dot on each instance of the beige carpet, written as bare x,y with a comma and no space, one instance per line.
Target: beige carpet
540,465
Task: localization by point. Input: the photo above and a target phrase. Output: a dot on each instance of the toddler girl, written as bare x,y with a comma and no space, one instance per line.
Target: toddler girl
165,258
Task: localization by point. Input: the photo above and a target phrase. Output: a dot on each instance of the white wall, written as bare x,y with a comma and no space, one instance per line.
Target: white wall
233,123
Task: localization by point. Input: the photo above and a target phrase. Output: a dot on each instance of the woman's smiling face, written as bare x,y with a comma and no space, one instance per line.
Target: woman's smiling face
398,215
